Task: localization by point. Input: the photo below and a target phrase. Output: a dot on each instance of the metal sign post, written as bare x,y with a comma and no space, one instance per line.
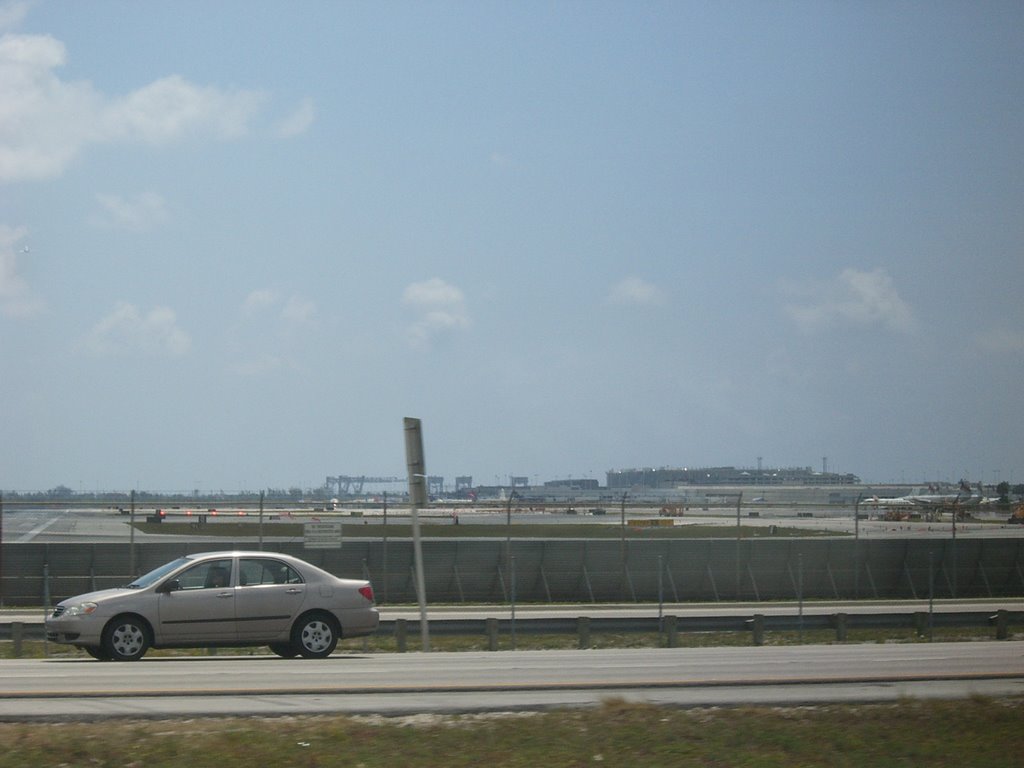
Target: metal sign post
417,498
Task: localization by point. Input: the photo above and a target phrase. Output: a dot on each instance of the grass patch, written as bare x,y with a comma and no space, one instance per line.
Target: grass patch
985,734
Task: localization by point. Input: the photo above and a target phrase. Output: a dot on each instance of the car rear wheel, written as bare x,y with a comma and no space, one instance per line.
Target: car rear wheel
125,638
315,635
284,650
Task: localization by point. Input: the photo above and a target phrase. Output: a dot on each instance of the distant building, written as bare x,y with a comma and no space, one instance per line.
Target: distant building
668,477
580,484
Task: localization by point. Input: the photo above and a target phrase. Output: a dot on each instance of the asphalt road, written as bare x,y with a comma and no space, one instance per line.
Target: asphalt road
468,682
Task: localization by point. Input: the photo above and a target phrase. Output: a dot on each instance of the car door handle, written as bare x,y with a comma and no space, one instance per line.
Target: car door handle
225,594
293,591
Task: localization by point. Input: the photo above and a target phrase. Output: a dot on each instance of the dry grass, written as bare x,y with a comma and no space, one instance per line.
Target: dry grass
978,732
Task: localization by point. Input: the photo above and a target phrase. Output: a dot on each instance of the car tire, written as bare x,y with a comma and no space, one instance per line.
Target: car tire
97,653
125,638
315,635
284,650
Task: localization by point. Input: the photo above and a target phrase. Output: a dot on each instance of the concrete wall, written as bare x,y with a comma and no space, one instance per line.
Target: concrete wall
475,571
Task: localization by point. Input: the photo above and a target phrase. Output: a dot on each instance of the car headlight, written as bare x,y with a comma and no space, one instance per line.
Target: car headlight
80,609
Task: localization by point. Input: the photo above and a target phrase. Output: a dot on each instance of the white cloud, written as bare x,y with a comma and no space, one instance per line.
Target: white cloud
432,293
854,298
16,297
298,310
45,122
633,290
259,300
140,214
126,330
172,107
13,13
295,309
270,330
439,307
297,122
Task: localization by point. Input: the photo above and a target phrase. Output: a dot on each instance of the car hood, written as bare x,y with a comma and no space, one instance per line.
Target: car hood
98,596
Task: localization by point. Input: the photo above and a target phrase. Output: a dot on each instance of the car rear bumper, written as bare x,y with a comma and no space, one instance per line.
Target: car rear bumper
359,622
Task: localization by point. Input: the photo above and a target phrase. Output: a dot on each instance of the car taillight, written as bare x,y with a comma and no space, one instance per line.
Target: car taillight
367,592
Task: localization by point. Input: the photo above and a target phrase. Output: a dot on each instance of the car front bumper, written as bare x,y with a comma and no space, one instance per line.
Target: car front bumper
73,631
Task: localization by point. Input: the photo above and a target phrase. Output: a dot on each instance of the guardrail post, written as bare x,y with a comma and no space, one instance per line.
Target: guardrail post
400,634
757,628
921,623
492,634
840,619
17,630
672,634
583,630
1002,620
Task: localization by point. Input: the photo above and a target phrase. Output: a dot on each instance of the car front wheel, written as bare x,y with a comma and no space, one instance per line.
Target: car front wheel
315,635
125,638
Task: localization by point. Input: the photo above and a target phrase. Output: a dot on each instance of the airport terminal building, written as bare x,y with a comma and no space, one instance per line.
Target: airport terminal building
667,478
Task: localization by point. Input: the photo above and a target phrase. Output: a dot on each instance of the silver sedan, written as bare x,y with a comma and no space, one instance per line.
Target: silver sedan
215,599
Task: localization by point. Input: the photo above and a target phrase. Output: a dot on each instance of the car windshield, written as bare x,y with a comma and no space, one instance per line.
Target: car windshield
155,575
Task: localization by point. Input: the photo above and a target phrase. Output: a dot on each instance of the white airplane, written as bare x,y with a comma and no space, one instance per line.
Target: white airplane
935,502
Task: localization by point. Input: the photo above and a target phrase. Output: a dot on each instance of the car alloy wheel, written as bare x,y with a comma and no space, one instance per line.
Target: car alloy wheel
315,636
125,639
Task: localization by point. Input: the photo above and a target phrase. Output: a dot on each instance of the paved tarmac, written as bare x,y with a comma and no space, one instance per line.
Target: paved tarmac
104,525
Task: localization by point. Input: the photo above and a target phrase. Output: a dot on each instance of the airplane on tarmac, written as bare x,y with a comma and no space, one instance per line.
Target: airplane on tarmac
935,503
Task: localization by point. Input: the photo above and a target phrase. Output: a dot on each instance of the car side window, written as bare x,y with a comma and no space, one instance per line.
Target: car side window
215,574
256,571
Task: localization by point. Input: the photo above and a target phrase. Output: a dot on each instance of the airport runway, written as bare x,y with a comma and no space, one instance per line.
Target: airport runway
477,681
100,525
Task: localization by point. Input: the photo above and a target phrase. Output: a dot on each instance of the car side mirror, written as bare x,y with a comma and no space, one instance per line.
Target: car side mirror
170,586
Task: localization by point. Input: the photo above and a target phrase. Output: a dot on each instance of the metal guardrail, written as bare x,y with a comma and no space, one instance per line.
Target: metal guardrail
669,625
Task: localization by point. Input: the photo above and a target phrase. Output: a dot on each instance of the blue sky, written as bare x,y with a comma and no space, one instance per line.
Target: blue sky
240,241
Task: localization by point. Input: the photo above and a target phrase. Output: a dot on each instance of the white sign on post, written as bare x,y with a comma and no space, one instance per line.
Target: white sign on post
322,535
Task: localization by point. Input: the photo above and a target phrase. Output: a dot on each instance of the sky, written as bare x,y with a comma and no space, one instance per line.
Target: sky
240,241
